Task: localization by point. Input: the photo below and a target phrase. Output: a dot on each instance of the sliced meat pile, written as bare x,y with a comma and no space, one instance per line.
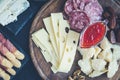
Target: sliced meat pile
82,13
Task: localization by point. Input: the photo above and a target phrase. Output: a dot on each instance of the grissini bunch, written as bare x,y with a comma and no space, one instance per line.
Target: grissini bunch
9,55
4,75
6,65
5,62
11,47
9,70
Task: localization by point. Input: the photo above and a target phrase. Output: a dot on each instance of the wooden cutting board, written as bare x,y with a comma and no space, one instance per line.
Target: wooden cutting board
41,65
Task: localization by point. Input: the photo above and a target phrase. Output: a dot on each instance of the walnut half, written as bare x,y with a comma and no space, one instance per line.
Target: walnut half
76,76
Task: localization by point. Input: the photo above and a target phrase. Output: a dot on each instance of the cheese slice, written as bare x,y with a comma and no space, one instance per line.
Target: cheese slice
44,51
19,6
48,24
70,51
8,17
3,4
55,22
63,31
10,9
43,38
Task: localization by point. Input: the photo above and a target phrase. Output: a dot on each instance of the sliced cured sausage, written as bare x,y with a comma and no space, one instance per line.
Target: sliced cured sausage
69,7
78,20
94,11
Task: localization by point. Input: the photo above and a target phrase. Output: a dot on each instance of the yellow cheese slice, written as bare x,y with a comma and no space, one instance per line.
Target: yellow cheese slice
43,39
48,24
44,51
70,51
63,31
55,22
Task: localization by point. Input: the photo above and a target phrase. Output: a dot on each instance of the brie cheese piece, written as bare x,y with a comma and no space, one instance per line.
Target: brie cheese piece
98,64
85,66
87,53
19,6
6,17
3,4
112,68
11,9
70,51
97,51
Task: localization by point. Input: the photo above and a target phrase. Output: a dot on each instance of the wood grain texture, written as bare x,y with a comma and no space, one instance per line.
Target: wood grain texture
41,65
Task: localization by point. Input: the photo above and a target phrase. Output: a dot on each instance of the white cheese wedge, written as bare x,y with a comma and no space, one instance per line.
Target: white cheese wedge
63,31
97,51
87,53
98,64
8,17
55,22
70,51
19,6
11,9
48,24
85,66
43,38
105,44
106,55
3,4
112,68
116,52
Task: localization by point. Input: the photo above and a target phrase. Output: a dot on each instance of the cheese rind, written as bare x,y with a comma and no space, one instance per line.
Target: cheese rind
70,51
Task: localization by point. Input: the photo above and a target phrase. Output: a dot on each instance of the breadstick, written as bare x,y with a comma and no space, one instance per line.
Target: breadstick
5,62
4,75
9,70
9,55
11,47
13,50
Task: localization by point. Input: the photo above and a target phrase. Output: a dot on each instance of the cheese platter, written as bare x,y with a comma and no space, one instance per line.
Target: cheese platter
60,42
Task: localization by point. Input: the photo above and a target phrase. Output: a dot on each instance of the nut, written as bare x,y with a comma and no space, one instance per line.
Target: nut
111,36
109,14
77,73
118,36
76,76
70,78
81,77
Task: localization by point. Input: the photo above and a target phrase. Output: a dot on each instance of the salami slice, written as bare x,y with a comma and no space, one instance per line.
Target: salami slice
94,11
69,7
78,20
77,4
